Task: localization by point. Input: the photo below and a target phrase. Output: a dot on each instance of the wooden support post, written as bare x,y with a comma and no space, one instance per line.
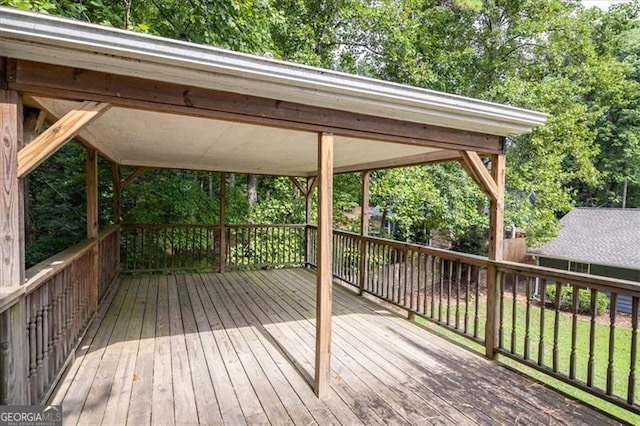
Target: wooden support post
364,229
92,221
223,219
12,246
11,267
324,272
308,198
92,193
496,236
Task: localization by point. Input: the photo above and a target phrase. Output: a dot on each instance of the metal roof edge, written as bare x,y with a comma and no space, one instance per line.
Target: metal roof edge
18,27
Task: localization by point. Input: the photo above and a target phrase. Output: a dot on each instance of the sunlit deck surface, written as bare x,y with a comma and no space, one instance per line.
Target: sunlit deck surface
238,348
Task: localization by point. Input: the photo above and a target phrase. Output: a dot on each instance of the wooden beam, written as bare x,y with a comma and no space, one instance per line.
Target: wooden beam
115,181
223,220
496,236
12,326
496,208
47,116
92,194
133,176
11,137
62,82
364,228
311,184
92,223
324,261
57,135
412,160
298,185
475,167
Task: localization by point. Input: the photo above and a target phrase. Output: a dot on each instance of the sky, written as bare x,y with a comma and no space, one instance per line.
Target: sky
602,4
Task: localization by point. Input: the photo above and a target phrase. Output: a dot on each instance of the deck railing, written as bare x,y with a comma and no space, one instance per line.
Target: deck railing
441,286
564,324
156,248
265,246
568,325
43,319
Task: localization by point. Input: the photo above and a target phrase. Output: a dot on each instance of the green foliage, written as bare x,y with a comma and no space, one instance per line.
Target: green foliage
584,299
170,196
429,198
581,66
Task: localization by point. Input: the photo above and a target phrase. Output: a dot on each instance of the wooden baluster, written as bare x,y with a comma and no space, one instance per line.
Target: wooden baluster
543,301
415,280
592,338
613,311
574,331
57,321
466,300
500,285
458,280
46,343
449,278
422,275
31,333
194,247
514,311
556,327
631,385
5,356
527,321
476,316
441,272
39,296
408,284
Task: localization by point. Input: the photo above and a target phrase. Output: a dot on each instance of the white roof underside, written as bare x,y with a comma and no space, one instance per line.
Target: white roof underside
134,137
143,138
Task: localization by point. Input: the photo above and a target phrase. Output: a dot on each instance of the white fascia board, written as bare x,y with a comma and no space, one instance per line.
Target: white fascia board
45,38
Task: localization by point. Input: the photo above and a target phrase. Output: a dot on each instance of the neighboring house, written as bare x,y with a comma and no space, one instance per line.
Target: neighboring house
599,241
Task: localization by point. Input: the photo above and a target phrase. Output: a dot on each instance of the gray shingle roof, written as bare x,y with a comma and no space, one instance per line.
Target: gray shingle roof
597,235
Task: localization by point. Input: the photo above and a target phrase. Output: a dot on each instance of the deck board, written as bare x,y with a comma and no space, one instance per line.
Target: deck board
238,348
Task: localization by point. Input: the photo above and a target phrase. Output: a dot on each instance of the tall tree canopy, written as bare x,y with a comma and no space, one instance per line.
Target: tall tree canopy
581,66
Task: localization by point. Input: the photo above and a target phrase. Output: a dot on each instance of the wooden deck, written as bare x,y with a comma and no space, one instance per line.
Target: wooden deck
238,348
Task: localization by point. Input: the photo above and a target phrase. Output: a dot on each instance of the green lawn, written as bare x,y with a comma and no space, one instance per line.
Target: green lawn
621,358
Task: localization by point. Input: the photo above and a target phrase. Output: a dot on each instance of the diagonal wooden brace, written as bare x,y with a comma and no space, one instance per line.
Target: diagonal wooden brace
473,164
51,140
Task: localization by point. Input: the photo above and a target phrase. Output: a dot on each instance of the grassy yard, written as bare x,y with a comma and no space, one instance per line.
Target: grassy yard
621,359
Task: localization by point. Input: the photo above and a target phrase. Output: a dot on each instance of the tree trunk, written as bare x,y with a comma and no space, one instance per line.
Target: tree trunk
252,192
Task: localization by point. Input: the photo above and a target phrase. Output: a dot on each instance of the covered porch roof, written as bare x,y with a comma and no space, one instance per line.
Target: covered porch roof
179,105
145,101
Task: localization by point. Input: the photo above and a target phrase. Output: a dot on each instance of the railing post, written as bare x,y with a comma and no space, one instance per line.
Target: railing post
364,230
223,219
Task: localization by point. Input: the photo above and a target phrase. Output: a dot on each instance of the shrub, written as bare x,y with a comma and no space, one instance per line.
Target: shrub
584,299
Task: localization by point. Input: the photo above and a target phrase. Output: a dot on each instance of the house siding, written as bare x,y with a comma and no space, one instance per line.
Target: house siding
624,301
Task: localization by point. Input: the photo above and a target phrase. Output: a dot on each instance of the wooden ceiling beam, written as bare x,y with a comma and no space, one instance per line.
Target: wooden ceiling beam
52,139
77,84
